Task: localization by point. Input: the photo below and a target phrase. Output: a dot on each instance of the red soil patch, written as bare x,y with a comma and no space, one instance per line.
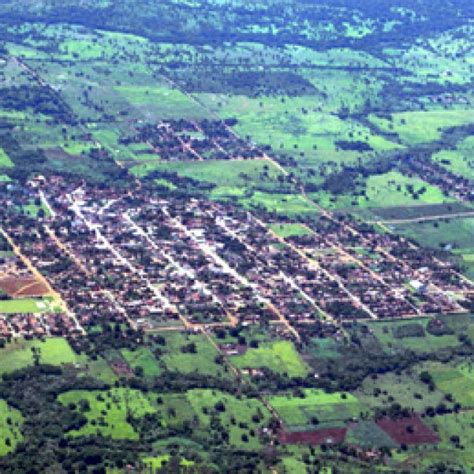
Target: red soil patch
322,436
23,287
409,430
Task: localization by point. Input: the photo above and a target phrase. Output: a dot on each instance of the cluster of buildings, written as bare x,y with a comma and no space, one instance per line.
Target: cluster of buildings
130,256
186,140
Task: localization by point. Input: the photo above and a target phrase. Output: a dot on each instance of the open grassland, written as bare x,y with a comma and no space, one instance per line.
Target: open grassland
290,230
177,356
290,205
26,305
322,348
22,353
392,189
10,428
107,412
417,212
5,161
292,125
455,380
143,360
423,126
455,234
390,336
451,428
280,357
459,161
161,102
226,175
405,389
312,407
158,462
242,418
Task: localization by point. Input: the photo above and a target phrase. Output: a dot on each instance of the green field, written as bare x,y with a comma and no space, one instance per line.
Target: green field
241,418
10,428
107,411
21,353
26,305
143,358
460,160
161,102
390,189
457,381
289,230
314,407
385,334
201,362
279,356
423,126
404,389
5,161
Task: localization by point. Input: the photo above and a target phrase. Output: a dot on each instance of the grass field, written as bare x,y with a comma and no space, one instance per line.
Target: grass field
201,362
279,356
241,418
158,462
328,409
20,353
10,426
5,161
455,233
457,381
291,125
390,189
423,126
26,305
289,230
142,357
108,411
384,332
405,389
460,160
161,102
290,205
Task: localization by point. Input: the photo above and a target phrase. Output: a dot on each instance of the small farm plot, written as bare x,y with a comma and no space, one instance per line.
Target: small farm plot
312,407
408,431
367,434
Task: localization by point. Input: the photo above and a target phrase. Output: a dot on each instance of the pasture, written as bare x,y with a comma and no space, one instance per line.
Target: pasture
280,357
455,380
188,354
10,428
240,418
289,230
22,353
312,407
417,127
107,412
460,160
389,335
26,305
